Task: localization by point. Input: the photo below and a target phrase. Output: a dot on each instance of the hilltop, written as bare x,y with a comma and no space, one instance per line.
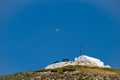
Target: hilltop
75,72
82,68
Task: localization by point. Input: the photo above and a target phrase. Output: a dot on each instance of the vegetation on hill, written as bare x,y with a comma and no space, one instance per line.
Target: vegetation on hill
67,73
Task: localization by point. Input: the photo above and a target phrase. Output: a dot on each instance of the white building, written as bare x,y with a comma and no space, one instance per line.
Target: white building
82,60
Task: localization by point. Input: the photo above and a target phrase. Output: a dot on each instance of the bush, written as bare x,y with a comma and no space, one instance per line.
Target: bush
68,69
54,70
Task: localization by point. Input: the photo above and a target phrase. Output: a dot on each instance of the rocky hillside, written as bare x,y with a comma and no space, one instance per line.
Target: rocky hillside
75,72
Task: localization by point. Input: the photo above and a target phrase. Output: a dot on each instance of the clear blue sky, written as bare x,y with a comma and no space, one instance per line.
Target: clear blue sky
29,41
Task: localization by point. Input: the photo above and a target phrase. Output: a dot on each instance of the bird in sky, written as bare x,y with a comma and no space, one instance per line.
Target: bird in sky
57,30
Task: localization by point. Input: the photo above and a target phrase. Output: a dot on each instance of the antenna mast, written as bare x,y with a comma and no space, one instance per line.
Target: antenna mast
81,49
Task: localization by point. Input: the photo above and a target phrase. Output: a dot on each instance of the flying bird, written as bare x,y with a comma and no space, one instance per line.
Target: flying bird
57,29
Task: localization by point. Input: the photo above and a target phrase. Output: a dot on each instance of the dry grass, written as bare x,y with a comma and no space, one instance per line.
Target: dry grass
68,73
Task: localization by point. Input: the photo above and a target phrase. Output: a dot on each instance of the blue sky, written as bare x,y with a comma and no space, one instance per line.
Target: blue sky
29,41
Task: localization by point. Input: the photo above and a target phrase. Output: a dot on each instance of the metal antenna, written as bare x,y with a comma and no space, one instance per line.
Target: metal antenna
81,52
81,49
